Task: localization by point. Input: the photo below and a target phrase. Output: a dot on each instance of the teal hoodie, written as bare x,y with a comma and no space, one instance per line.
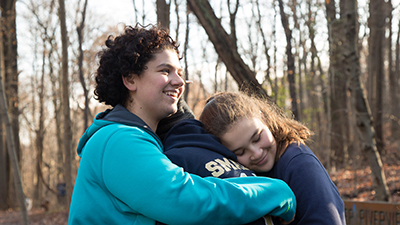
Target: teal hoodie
124,178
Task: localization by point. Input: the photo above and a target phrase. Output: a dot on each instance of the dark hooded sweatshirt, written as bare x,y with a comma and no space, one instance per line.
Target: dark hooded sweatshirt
190,146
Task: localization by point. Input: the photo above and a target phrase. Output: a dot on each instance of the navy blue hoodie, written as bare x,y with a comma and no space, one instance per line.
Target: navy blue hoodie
190,146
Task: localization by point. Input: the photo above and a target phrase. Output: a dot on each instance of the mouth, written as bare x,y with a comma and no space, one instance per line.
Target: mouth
262,160
173,94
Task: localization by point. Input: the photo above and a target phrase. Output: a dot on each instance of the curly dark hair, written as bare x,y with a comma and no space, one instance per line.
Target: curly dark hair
125,55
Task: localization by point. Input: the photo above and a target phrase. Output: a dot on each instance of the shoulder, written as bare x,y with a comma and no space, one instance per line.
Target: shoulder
296,152
186,126
302,170
126,136
318,198
299,161
296,149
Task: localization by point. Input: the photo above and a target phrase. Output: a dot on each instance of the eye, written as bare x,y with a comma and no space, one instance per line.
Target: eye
257,138
165,71
240,152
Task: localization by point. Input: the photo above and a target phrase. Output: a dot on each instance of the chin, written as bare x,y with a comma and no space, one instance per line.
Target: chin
172,110
175,107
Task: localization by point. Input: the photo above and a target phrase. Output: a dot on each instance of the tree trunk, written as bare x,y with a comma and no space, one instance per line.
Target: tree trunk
4,166
185,50
163,11
79,31
394,89
178,20
8,14
232,21
376,24
40,133
65,102
316,88
364,120
337,90
276,88
265,49
290,61
10,135
55,83
4,160
225,47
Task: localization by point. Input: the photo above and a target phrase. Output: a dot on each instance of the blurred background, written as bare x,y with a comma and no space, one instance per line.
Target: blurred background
334,65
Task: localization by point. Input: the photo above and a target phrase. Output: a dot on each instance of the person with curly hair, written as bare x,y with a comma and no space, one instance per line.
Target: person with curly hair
272,144
124,177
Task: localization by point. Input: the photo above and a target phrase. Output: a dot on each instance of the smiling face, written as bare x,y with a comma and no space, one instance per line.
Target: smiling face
252,142
156,91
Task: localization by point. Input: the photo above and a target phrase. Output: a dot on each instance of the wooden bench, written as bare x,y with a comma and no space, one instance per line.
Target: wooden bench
371,213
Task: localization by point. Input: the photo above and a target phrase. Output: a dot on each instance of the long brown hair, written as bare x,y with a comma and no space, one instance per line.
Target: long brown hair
224,109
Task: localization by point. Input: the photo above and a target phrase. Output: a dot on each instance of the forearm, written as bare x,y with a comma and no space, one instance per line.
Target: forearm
160,190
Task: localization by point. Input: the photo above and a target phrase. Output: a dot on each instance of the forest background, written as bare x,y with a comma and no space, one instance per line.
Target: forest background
334,65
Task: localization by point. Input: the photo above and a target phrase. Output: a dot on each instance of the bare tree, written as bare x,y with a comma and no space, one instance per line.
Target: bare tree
232,20
40,131
364,121
290,60
178,20
337,88
47,34
10,135
65,102
394,98
79,30
225,47
8,28
276,89
299,83
376,77
163,11
56,95
316,86
185,52
266,48
395,90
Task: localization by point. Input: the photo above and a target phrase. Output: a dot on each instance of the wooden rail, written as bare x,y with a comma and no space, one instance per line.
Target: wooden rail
371,213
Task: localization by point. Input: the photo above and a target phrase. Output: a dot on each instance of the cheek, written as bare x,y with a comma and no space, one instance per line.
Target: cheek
268,139
243,160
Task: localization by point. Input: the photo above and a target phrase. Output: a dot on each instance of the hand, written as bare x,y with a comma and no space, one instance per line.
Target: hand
283,222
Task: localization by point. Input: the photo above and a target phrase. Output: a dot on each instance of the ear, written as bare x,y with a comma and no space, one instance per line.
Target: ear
130,82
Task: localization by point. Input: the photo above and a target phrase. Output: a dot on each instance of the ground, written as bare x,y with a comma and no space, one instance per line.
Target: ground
357,185
36,217
352,185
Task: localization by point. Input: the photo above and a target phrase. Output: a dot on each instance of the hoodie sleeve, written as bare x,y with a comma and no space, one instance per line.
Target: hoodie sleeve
318,198
206,163
145,181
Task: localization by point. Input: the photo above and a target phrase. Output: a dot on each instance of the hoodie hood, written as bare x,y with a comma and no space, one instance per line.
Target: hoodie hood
190,146
191,134
118,114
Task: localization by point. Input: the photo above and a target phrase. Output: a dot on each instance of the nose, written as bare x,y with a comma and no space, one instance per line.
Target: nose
177,80
256,152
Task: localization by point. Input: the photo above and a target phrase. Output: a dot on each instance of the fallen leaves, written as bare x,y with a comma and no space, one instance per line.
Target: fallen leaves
357,184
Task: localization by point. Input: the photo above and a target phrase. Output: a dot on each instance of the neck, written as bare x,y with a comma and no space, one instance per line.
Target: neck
145,116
